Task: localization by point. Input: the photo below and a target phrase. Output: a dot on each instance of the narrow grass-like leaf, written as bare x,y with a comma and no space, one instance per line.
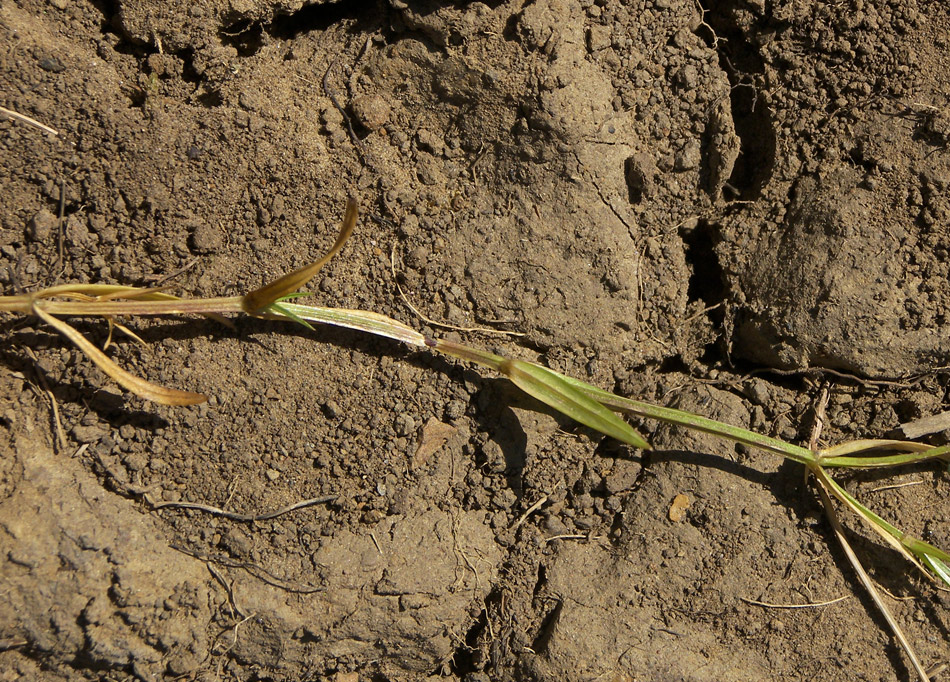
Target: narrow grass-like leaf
145,305
869,453
889,533
259,299
137,385
475,355
360,320
867,583
282,310
869,461
689,420
938,567
854,447
551,389
924,549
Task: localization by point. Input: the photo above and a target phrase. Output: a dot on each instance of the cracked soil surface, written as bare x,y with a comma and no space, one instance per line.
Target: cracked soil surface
726,207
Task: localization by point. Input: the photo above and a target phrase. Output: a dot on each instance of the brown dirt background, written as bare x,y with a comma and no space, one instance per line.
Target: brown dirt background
723,206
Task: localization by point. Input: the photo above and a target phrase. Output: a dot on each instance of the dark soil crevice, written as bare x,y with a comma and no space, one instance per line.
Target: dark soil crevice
706,281
740,60
248,36
321,17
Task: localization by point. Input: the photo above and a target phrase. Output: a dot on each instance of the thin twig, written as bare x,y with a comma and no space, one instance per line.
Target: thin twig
429,320
529,511
814,605
29,121
702,312
61,233
936,669
160,280
234,635
258,572
57,421
894,486
570,536
819,420
12,643
228,587
235,516
868,585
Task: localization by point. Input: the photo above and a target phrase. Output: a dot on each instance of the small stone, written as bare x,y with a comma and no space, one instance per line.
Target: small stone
404,424
640,173
371,111
52,64
454,409
272,475
505,498
77,231
87,434
677,511
41,226
681,38
759,392
205,238
373,516
332,409
136,461
429,142
555,526
687,78
598,38
688,157
237,542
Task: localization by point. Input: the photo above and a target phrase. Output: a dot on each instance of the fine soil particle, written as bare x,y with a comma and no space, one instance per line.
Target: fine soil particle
724,207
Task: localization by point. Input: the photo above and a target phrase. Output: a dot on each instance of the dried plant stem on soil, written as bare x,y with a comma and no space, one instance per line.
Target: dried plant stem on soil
22,118
816,605
235,516
576,399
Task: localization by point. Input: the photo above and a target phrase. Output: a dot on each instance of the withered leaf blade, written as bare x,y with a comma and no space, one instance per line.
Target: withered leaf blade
137,385
289,283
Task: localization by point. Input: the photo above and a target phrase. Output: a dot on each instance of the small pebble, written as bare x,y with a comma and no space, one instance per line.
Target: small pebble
404,424
206,238
41,226
370,111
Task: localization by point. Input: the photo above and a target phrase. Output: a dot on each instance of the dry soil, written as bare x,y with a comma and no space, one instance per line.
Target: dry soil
727,207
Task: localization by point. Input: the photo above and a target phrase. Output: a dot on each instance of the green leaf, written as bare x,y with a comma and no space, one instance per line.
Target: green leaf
551,389
938,567
283,310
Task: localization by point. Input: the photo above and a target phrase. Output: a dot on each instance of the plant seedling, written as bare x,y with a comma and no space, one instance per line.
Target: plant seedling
583,402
